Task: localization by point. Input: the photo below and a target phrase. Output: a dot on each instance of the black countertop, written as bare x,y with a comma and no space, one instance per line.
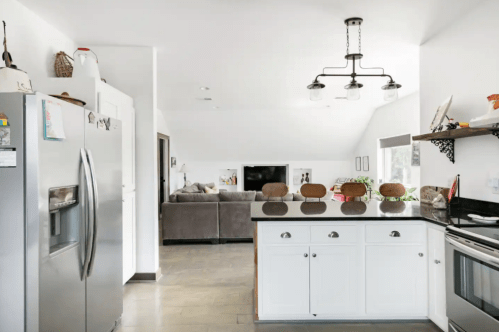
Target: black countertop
332,210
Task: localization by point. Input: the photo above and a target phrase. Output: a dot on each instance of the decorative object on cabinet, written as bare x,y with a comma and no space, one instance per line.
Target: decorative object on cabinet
184,169
491,118
174,162
86,64
365,163
12,79
4,120
62,66
358,164
440,202
353,89
66,97
454,188
444,140
436,124
302,176
416,154
429,193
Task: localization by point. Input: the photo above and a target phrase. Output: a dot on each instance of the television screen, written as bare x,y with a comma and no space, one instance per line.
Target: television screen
255,177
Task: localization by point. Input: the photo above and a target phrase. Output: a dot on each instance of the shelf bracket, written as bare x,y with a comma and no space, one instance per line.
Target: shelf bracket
446,146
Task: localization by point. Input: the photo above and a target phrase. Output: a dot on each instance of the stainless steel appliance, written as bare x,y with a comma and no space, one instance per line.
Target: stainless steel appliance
472,273
60,219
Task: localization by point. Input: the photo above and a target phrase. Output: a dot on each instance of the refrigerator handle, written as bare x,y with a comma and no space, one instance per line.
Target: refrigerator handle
95,212
89,217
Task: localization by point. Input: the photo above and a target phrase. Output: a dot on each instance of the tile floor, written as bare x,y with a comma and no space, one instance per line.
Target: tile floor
208,288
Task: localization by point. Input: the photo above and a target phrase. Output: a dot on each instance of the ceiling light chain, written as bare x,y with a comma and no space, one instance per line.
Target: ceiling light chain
353,89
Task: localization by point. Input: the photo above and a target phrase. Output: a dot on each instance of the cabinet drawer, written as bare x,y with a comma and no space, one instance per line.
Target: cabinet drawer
278,234
395,233
334,234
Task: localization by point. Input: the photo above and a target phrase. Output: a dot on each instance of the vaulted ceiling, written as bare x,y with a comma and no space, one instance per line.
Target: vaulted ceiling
257,57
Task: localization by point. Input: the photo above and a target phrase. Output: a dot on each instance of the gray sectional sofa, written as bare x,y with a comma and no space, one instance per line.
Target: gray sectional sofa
216,218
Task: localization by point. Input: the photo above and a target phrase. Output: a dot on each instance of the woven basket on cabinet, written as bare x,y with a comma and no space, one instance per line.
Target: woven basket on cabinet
63,66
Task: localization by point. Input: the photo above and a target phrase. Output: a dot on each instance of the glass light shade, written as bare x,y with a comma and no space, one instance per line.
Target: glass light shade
353,93
391,94
315,94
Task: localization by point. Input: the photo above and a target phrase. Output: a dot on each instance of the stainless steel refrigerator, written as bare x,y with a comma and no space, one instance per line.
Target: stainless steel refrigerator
60,217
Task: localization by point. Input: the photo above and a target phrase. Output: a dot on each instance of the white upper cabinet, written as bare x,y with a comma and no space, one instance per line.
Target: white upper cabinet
117,105
436,271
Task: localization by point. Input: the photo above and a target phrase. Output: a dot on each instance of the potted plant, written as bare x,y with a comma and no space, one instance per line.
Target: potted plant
368,182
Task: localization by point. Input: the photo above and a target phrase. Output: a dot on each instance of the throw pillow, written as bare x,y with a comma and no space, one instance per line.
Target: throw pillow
203,186
191,190
213,190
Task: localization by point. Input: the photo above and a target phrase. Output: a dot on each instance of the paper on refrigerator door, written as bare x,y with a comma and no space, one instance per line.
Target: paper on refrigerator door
8,157
53,124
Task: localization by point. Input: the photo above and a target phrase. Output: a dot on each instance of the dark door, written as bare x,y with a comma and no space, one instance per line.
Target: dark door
163,170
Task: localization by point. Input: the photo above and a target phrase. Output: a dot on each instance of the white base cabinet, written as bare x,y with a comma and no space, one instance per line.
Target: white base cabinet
129,236
342,270
436,277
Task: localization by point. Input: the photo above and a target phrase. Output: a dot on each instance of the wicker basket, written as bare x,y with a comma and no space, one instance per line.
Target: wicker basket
63,66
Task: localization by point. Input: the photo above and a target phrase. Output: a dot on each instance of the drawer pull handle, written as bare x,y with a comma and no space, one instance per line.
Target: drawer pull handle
333,235
286,235
305,255
314,255
395,234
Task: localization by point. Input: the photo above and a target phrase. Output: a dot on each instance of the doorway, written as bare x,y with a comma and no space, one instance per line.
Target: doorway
163,176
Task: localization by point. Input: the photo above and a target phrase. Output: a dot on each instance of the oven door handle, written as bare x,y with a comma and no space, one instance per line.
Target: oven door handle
475,253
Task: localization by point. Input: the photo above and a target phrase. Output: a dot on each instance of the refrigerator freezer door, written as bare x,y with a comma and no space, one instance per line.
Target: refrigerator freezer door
104,283
62,291
12,218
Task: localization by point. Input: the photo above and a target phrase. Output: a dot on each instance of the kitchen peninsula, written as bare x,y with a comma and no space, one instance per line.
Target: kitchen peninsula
347,261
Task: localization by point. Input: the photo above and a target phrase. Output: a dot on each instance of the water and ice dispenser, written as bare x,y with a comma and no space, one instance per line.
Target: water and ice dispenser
64,217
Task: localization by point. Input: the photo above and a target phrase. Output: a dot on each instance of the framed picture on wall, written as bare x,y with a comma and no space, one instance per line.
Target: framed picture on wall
358,165
365,162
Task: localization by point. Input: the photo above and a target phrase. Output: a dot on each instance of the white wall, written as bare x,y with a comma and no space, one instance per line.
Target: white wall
31,41
396,118
133,71
324,172
463,60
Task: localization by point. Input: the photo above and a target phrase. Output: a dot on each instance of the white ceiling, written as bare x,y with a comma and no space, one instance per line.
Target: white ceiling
257,57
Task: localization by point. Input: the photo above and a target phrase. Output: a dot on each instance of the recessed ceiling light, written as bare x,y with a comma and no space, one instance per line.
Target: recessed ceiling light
204,88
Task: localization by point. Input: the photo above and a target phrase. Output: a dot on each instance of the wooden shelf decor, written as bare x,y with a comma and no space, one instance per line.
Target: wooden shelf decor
444,140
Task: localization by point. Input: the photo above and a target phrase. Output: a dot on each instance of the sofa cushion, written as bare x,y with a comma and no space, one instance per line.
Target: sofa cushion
235,220
198,198
240,196
202,186
262,198
191,189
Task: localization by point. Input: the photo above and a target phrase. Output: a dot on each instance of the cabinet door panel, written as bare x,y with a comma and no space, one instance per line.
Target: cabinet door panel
285,284
334,280
128,135
396,280
128,237
436,271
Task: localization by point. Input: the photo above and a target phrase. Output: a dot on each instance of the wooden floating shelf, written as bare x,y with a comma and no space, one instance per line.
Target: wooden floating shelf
456,133
444,140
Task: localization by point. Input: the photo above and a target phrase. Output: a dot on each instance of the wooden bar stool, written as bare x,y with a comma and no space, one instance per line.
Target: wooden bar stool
395,190
353,189
310,190
276,189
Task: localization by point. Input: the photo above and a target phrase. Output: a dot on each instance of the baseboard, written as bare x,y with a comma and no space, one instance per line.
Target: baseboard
233,240
190,241
146,276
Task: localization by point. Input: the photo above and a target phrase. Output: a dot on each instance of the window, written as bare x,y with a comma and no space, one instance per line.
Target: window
396,160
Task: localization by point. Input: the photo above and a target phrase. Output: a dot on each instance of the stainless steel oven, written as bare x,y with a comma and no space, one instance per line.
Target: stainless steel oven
472,273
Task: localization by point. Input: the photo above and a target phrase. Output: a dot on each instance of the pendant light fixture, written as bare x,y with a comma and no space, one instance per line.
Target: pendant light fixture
353,89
